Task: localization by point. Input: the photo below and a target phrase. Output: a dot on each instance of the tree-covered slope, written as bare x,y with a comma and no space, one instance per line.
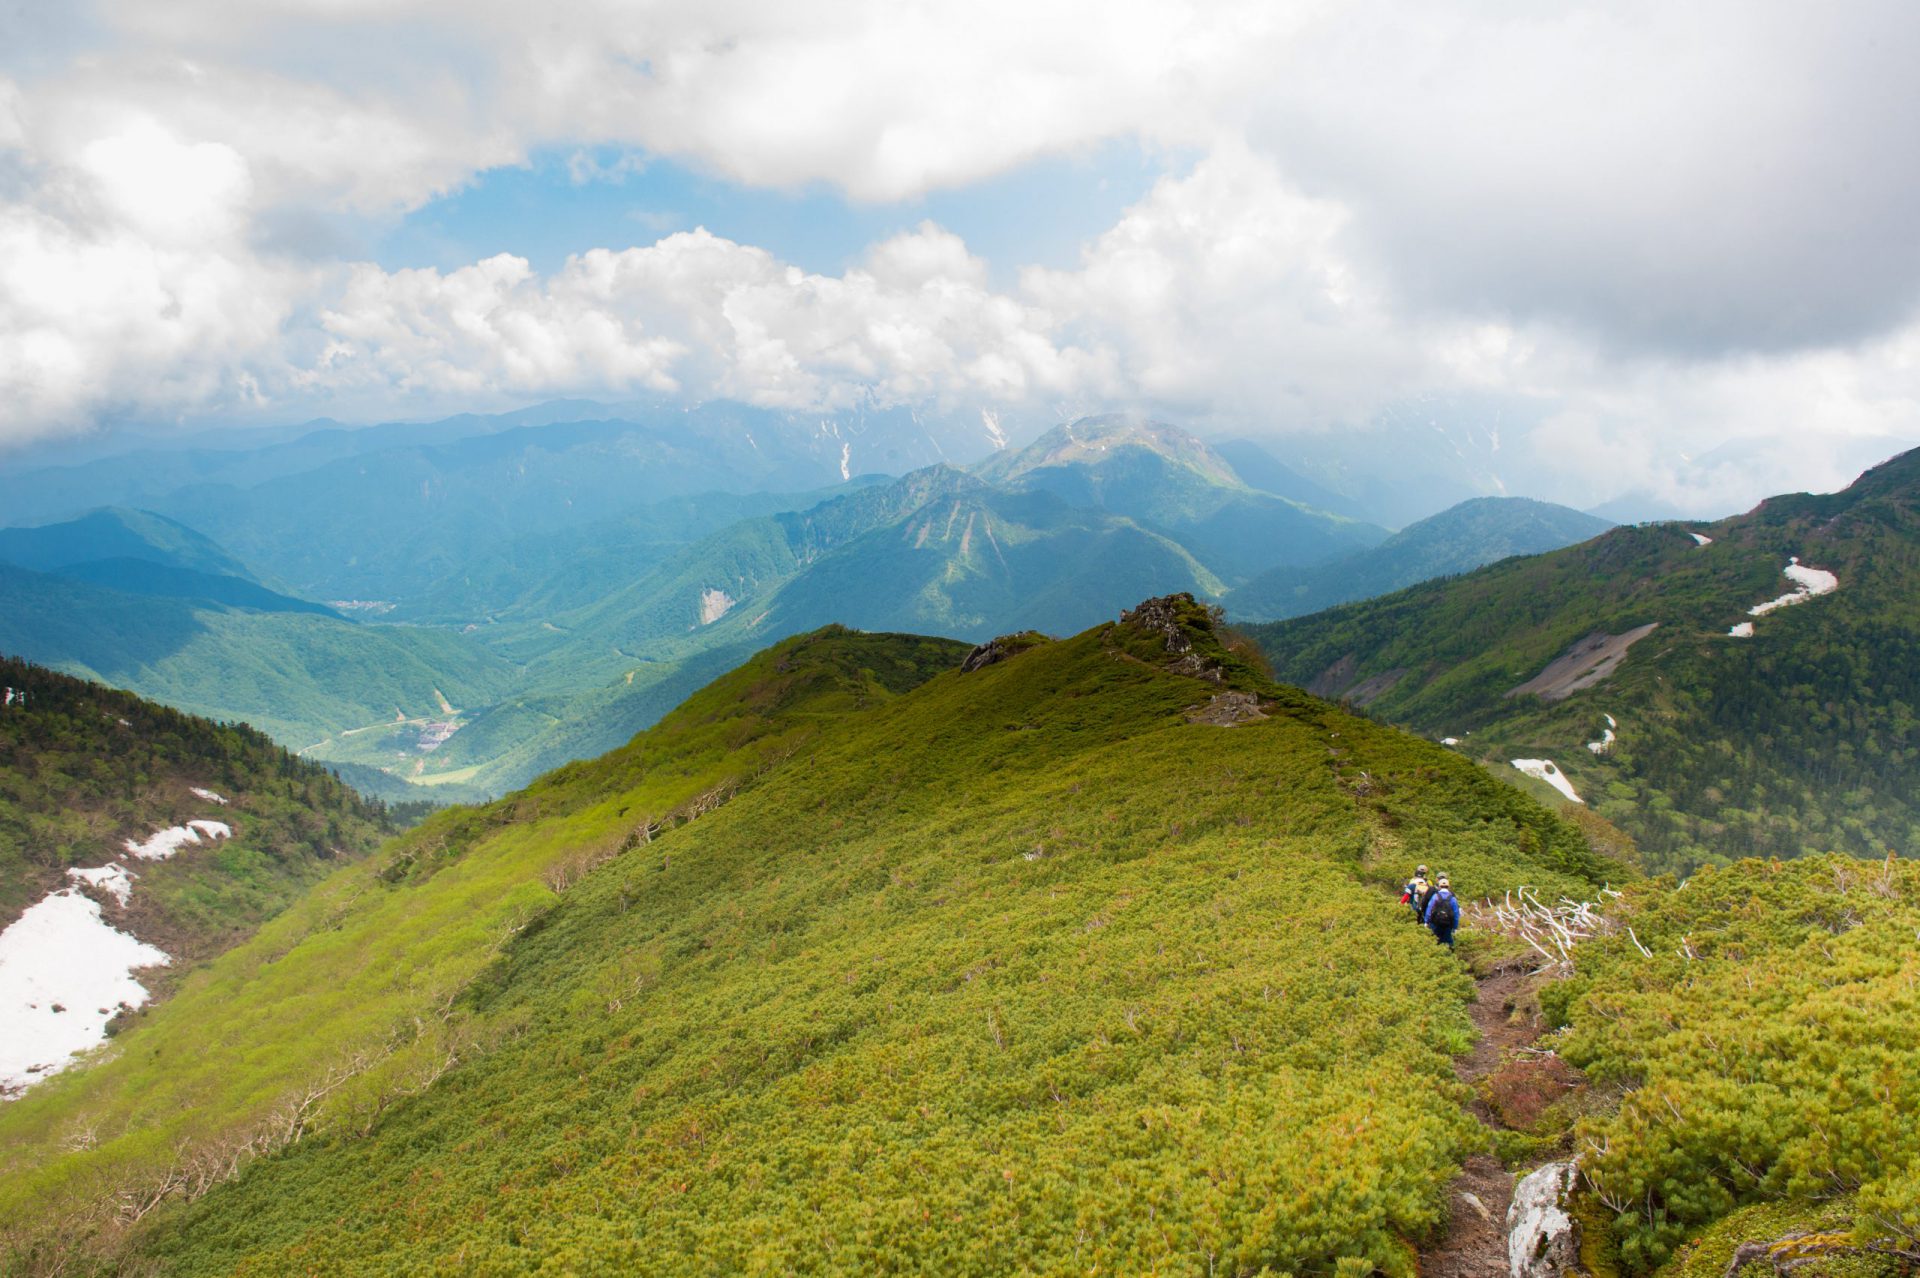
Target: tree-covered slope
1031,966
118,534
937,551
1480,531
1800,736
298,676
84,768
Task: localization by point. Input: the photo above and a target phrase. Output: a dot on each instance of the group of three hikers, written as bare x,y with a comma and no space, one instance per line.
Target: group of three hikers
1433,904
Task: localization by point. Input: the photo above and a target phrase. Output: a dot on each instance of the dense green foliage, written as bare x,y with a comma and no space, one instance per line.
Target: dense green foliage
1019,968
1459,539
1773,1043
83,768
1801,738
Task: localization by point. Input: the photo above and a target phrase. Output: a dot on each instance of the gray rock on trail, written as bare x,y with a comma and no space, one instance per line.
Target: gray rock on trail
1542,1239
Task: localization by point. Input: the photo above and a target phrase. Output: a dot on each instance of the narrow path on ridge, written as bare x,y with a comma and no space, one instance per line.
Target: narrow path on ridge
1474,1244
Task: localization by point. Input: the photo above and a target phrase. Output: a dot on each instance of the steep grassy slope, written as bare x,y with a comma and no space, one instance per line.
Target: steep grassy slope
1460,539
1801,737
1020,968
83,768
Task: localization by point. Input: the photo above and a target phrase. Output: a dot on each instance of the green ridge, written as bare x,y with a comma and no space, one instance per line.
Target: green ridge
1017,969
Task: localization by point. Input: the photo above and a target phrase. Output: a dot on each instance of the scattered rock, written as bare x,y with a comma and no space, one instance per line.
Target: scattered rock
1163,616
1000,648
1225,709
1542,1239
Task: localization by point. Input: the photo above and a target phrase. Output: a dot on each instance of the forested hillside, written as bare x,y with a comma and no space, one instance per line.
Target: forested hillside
83,768
1653,668
1481,531
135,842
1004,970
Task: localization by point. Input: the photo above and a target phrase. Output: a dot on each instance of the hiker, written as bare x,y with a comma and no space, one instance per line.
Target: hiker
1416,894
1442,914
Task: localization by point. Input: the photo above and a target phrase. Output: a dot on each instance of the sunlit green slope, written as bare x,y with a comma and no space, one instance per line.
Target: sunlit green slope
1019,969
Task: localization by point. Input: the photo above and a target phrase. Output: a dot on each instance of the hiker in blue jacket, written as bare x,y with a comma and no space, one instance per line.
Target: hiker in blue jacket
1443,913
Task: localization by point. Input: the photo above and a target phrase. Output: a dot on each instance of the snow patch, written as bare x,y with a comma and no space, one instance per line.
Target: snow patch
1742,631
208,795
1701,539
164,843
846,457
714,604
1810,583
1545,770
15,696
991,420
115,879
1449,741
1604,744
60,954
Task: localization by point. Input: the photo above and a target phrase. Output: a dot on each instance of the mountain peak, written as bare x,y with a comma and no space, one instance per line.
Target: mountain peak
1093,440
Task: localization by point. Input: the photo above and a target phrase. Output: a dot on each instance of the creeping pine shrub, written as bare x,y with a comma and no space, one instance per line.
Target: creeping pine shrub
1774,1038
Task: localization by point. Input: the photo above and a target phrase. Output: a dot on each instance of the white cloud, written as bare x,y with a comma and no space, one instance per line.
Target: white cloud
703,315
1663,227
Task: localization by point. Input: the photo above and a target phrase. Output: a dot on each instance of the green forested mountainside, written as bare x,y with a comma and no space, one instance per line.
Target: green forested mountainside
139,553
1172,483
538,575
117,534
1017,968
1766,1020
289,674
1481,531
83,768
937,551
1800,738
554,637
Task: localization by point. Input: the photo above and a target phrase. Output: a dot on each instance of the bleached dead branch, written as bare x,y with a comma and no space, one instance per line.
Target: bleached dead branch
1552,931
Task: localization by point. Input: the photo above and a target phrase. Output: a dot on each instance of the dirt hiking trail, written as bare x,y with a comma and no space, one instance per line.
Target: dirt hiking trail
1474,1243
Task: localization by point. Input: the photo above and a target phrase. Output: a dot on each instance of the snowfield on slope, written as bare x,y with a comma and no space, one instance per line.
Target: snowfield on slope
115,879
164,843
63,974
1545,770
1809,583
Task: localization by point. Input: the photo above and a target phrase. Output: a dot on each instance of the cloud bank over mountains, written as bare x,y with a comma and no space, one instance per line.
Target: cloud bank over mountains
1664,229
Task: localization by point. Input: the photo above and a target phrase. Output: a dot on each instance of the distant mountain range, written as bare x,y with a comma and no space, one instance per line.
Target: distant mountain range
466,604
1476,532
566,585
1743,687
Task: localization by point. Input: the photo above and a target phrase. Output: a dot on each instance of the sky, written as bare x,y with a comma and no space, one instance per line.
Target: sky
1670,245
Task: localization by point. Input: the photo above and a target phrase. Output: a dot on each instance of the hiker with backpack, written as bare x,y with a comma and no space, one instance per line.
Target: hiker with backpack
1442,913
1416,893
